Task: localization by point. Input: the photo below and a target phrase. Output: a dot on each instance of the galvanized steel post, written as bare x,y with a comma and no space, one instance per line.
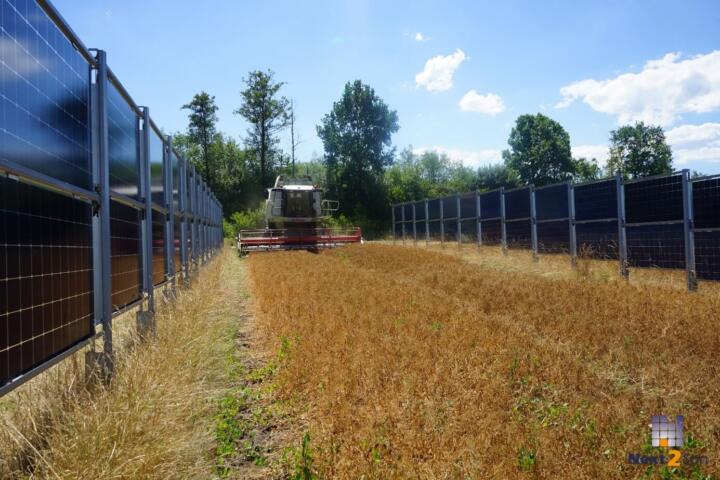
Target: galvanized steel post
688,231
503,228
622,238
170,220
442,225
146,319
427,223
101,230
533,224
571,225
459,221
477,218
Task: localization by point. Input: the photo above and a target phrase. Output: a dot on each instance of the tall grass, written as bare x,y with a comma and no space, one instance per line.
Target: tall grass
414,363
154,420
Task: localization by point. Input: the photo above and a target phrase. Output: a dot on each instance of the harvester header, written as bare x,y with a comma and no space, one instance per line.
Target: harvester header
296,217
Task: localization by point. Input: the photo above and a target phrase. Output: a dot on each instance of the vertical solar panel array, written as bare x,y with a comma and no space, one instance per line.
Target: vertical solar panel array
706,209
434,219
654,222
517,218
46,287
48,274
553,218
408,226
596,222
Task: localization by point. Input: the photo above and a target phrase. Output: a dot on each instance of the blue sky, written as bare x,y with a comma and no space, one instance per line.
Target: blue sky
458,73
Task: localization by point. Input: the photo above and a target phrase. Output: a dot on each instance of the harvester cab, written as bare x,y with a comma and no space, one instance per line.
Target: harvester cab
296,217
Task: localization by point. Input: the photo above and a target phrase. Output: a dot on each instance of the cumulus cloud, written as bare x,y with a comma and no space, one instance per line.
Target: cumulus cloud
469,158
695,143
437,76
490,104
660,93
598,152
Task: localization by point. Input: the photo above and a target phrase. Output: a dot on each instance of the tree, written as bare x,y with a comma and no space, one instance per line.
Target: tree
539,150
356,135
267,114
586,170
492,177
639,150
294,139
201,129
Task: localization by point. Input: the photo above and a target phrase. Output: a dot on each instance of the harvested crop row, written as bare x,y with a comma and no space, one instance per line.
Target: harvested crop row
413,363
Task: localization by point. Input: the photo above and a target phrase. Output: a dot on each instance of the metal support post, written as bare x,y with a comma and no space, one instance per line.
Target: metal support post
182,205
478,227
571,225
170,220
427,223
102,363
414,224
622,238
688,230
503,228
442,224
459,222
394,226
146,318
533,225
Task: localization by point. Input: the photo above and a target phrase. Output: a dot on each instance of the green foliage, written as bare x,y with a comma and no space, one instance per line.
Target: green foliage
202,129
246,219
426,175
639,150
526,459
304,461
492,177
539,150
356,135
267,114
586,170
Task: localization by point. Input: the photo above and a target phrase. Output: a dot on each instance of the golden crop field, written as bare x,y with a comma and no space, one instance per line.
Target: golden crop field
411,363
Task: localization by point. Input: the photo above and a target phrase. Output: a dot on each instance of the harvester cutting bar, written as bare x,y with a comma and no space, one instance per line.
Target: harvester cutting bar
296,239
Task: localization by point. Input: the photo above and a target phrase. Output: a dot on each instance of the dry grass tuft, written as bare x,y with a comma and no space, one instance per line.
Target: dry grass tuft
155,420
416,363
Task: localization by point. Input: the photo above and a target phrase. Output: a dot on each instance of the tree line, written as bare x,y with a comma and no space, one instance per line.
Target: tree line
362,168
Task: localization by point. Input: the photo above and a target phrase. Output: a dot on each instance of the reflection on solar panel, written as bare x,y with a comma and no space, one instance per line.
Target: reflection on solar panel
156,169
518,234
122,145
491,231
597,240
44,96
125,261
46,302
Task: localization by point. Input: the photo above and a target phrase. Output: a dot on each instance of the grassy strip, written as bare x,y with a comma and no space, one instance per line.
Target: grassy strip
155,420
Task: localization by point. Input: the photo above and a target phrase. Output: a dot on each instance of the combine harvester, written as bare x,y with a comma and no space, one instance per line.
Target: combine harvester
294,215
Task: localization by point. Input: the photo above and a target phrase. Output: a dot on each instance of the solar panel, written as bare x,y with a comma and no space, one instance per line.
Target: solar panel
157,148
517,204
125,260
661,246
596,201
449,207
468,206
597,240
518,234
420,211
44,96
654,200
46,293
490,204
124,160
491,231
551,202
159,268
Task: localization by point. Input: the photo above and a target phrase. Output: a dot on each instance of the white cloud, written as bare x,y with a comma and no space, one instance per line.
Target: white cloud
659,94
419,37
469,158
491,103
598,152
695,143
438,73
